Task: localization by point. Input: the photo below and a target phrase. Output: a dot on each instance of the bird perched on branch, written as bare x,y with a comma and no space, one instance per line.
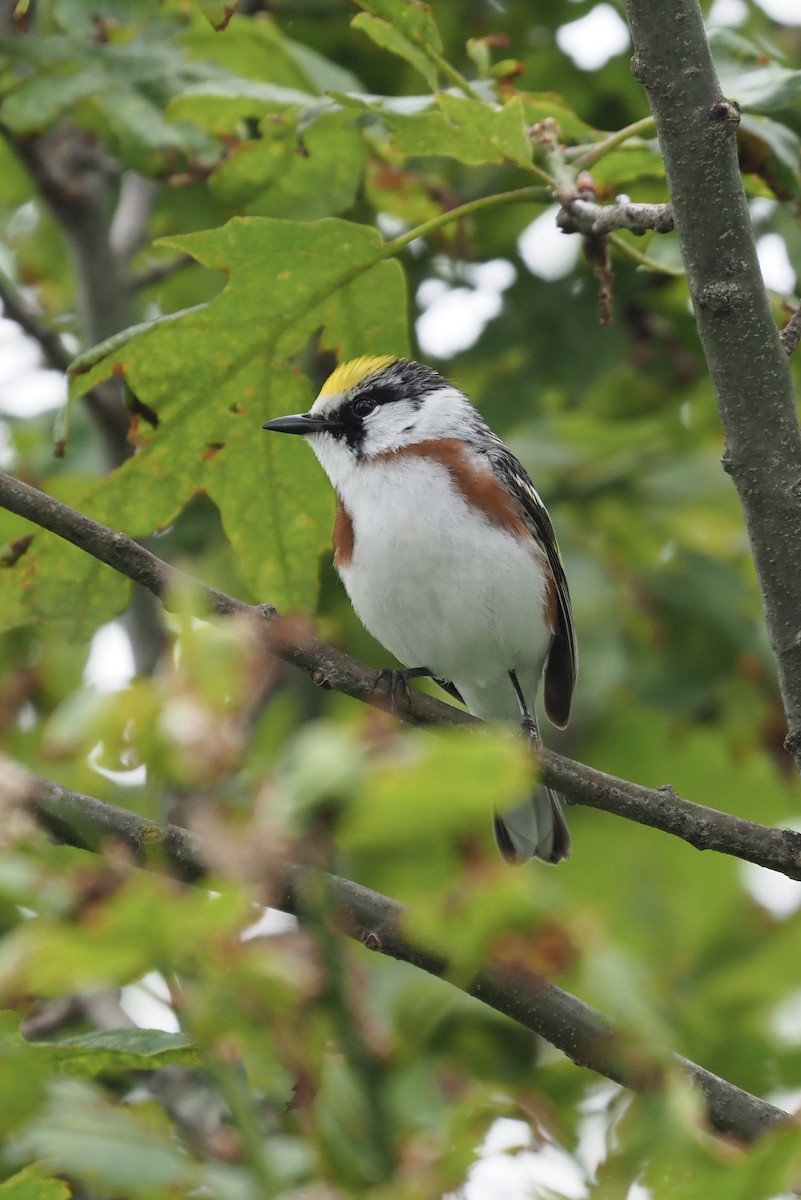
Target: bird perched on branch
448,556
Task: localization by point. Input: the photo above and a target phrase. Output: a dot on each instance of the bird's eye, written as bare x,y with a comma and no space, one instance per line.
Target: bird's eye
364,406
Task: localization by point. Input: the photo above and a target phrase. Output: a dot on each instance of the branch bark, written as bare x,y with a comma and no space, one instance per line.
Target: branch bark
74,177
791,334
375,920
15,308
660,808
696,126
580,214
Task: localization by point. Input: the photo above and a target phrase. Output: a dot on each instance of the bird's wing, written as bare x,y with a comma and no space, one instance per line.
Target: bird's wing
560,667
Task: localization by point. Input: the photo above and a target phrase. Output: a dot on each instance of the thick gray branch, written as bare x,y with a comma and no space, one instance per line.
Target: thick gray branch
580,1032
748,364
660,808
579,214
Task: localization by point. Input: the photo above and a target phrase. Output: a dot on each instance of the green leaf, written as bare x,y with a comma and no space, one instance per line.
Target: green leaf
147,921
35,105
117,91
23,1076
288,174
463,128
750,76
218,13
31,1184
83,1135
412,18
259,50
631,163
771,151
214,375
74,592
441,788
221,105
388,37
541,106
119,1050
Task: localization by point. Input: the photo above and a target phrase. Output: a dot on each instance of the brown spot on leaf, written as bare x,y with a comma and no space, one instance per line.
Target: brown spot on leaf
118,369
12,552
212,450
227,13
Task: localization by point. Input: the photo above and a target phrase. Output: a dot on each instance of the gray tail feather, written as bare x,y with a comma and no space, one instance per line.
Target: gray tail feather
537,829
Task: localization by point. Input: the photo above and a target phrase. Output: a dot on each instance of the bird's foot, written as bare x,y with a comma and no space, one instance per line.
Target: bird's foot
527,723
397,681
529,729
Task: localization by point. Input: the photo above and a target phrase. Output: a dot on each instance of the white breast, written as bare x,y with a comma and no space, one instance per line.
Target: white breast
440,587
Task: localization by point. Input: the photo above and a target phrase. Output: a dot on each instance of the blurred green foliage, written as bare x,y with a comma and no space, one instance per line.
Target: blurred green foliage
306,168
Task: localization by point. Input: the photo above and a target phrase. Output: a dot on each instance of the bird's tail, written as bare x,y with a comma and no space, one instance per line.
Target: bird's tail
537,829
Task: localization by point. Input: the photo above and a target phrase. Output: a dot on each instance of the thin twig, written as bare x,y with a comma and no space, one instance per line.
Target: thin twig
584,157
160,271
375,920
791,334
659,808
643,260
15,308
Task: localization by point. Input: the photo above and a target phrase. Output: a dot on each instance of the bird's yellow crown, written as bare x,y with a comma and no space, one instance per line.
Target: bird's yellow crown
349,375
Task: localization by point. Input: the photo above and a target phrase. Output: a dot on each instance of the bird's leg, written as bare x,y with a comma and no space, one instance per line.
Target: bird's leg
397,680
527,722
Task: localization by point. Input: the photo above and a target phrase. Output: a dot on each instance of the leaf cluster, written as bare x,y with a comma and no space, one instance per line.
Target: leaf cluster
321,187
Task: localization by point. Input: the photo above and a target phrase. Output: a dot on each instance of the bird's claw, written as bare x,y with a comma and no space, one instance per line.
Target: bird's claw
530,731
397,686
397,681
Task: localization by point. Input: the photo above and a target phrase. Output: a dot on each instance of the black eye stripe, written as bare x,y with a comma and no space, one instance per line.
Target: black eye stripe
372,397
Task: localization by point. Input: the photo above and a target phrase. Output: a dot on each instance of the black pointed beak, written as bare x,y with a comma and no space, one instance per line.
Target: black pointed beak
303,423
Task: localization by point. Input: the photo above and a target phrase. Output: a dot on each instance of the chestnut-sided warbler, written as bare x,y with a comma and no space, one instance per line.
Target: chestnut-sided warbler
448,556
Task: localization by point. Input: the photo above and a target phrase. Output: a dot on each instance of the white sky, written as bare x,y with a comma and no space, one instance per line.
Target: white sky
786,12
594,38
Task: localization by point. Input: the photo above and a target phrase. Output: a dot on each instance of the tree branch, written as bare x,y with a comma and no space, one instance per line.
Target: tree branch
73,176
160,271
659,808
15,308
791,334
696,126
578,1030
580,214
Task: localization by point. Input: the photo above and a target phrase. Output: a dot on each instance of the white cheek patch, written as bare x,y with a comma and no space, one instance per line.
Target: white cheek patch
442,414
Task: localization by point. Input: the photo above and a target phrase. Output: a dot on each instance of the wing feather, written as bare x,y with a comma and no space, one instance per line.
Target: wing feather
561,663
